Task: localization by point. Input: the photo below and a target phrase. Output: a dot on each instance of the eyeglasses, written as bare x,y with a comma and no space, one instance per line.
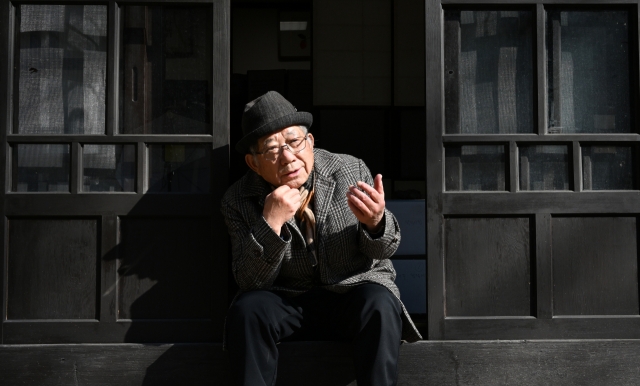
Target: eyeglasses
295,146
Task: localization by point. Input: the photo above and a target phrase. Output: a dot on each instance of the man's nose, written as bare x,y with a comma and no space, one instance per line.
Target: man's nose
286,156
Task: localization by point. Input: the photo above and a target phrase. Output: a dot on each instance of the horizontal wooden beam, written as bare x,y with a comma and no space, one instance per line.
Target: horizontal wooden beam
91,331
574,327
545,2
91,139
563,362
528,203
153,2
539,139
94,204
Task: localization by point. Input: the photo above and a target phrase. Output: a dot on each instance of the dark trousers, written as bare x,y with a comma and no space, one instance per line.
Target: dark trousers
368,316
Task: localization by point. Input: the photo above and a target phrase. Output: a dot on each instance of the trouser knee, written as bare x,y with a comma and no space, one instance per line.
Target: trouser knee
248,307
261,314
248,314
376,299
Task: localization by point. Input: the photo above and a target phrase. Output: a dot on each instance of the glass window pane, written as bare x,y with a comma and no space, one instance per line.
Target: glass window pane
475,168
544,167
488,72
108,168
608,168
62,69
588,71
166,70
40,168
179,168
411,279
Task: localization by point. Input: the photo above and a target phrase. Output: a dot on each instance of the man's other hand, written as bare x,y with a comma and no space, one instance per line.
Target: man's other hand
367,203
280,206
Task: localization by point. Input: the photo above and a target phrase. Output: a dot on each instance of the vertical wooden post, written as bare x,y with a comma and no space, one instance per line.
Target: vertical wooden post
541,70
435,182
556,115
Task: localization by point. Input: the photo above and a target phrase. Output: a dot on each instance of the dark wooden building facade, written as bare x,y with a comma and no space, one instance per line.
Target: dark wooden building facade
507,133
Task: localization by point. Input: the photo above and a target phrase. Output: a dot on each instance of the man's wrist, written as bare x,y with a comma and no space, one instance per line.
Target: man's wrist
274,227
376,229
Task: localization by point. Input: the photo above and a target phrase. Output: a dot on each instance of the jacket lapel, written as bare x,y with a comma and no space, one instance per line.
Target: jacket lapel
324,191
292,225
325,165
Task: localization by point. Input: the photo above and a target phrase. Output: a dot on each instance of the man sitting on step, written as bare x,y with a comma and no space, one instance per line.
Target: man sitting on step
311,242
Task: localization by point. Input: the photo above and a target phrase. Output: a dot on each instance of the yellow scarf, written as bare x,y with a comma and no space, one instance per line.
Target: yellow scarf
307,221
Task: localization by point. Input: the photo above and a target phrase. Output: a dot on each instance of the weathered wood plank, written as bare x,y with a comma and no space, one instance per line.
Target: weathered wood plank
435,151
564,327
52,268
487,266
595,266
520,363
121,365
567,362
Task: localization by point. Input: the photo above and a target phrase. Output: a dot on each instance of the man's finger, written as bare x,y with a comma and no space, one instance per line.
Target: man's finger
282,189
352,199
364,197
357,212
292,193
377,184
293,198
373,193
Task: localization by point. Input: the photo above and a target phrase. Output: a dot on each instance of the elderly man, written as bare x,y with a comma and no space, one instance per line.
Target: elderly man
311,241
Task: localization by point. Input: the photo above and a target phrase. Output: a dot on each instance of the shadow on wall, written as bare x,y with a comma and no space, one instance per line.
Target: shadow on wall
165,288
170,288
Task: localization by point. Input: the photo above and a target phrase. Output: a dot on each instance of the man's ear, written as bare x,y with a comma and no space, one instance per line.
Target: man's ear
250,159
311,138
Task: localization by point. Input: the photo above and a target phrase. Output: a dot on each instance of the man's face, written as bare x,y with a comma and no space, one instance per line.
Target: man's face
287,169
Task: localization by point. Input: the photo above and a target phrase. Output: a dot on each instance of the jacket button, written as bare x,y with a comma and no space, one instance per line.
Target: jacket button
256,253
395,240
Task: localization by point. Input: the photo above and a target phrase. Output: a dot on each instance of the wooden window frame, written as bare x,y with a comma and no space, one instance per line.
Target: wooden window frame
109,207
440,204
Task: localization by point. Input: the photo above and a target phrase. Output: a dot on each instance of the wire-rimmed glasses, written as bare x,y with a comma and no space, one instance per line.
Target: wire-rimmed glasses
295,146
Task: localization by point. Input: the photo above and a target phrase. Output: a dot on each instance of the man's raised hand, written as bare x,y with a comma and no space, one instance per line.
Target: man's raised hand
367,203
280,206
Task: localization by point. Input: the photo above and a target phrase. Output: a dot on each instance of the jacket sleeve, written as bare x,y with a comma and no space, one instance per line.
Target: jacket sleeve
257,251
385,243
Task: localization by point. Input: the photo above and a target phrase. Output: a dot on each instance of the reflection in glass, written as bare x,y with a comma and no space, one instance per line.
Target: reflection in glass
62,69
179,168
166,70
588,72
608,168
488,72
40,168
544,167
475,168
108,168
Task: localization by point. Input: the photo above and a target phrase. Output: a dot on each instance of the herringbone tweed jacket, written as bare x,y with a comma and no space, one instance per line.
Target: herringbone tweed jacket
347,255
